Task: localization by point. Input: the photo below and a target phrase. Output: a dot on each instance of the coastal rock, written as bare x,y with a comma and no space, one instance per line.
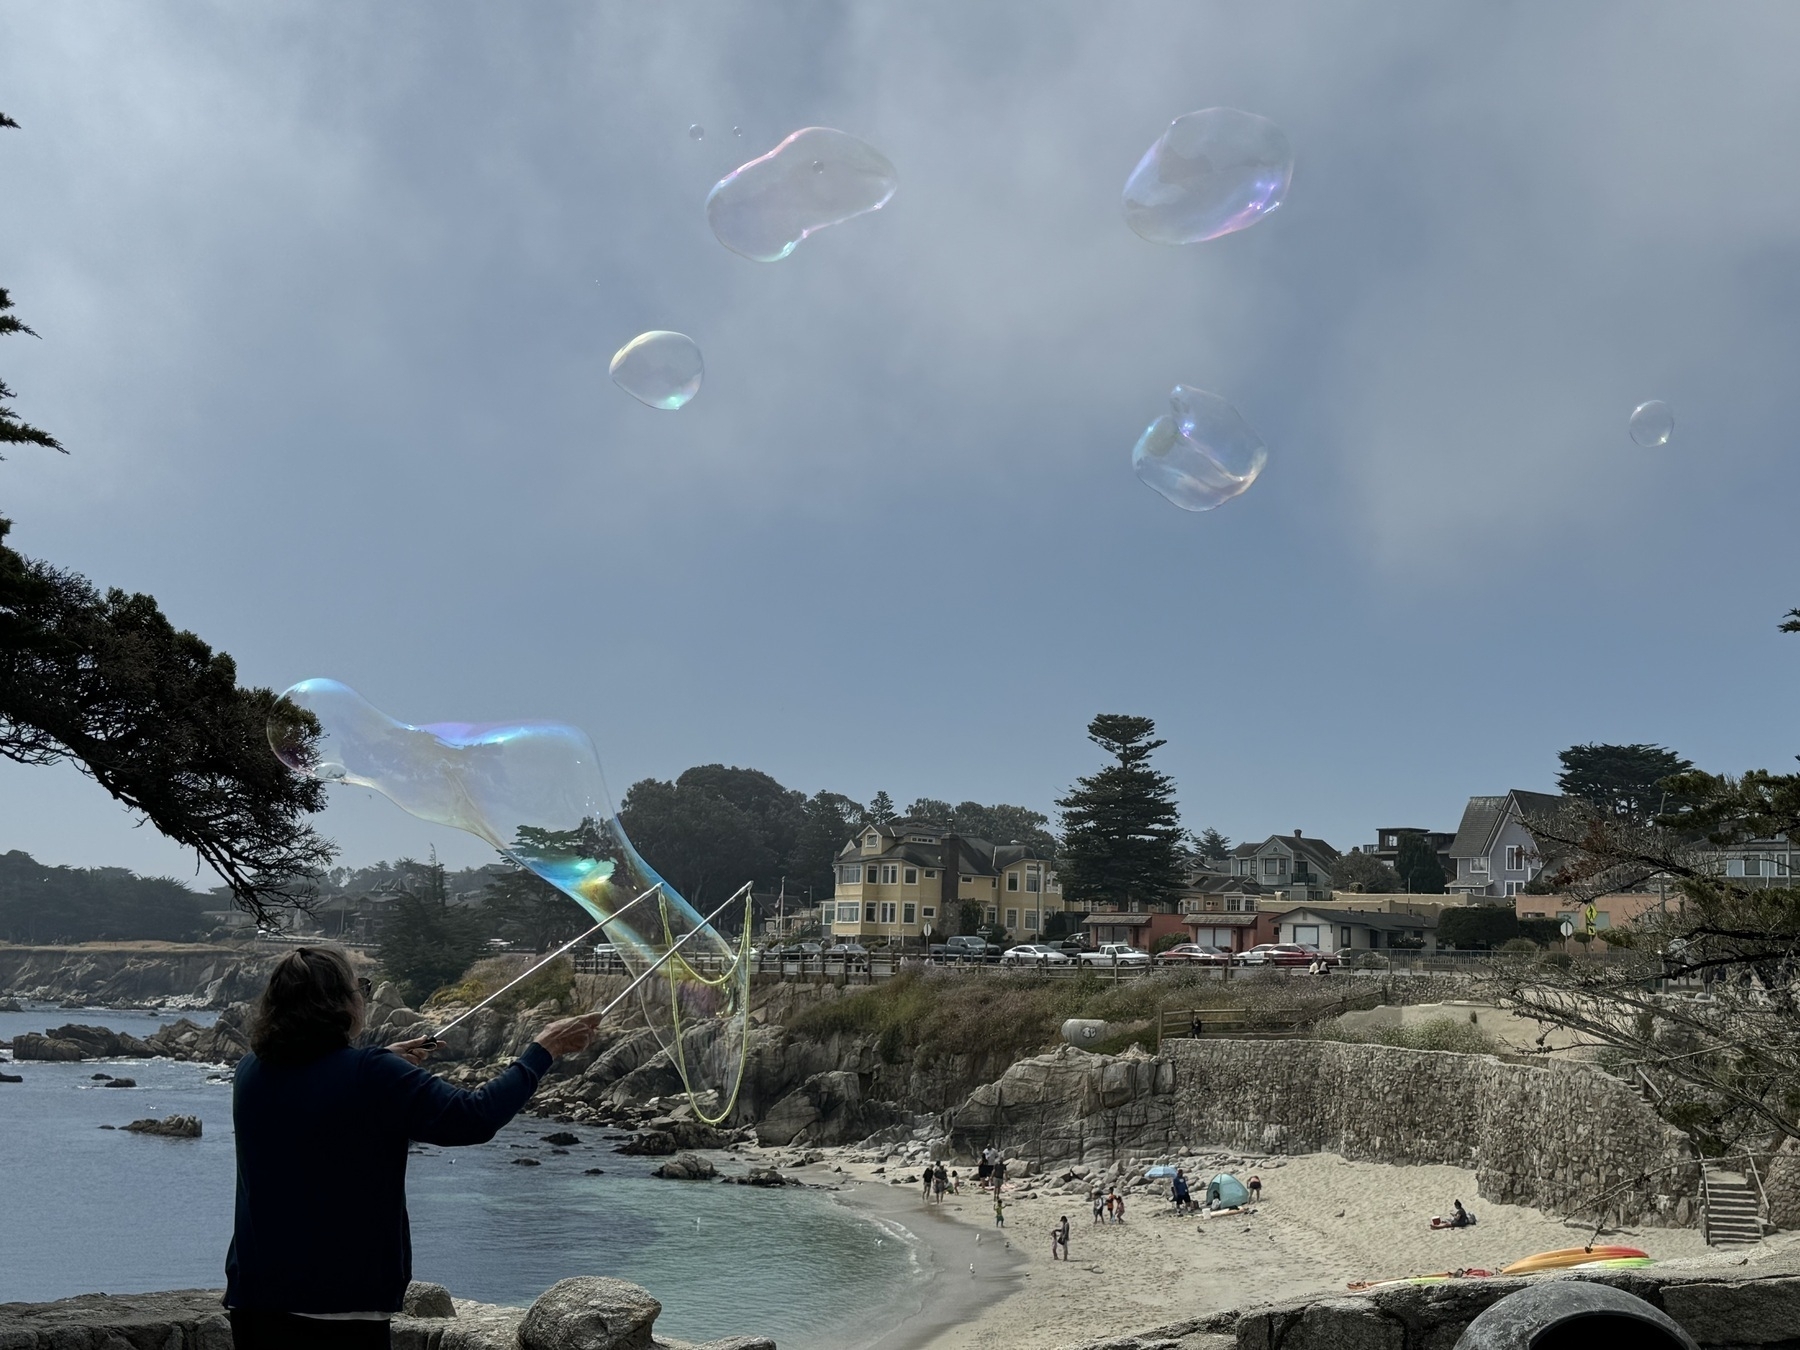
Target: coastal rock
649,1144
190,1318
174,1127
526,1162
738,1343
827,1109
226,1041
590,1312
11,1078
425,1299
686,1167
10,1005
30,1045
562,1139
761,1176
120,1082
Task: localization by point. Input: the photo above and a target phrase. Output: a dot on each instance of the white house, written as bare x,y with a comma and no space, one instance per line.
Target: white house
1335,930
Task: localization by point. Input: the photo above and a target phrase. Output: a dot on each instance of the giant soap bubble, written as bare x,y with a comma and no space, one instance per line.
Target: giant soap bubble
1652,424
1212,172
1200,453
534,791
816,177
660,369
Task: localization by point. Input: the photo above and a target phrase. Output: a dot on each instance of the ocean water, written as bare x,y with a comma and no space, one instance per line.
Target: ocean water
85,1209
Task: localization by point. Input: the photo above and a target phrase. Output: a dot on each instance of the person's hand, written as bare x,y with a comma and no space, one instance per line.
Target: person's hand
414,1051
570,1035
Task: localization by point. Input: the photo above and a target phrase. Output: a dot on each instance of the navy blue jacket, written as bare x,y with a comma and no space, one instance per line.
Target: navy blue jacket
321,1172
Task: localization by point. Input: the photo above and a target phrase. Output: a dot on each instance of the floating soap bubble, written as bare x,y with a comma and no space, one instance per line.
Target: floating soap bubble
737,131
1652,424
659,368
696,132
1200,453
814,178
534,791
1211,173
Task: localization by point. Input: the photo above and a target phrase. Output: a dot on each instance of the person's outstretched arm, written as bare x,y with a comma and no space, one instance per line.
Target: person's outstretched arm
435,1112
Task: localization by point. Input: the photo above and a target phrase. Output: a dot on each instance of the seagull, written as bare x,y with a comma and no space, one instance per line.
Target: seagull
978,1239
971,1267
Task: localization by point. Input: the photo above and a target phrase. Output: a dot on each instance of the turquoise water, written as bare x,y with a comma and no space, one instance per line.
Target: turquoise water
88,1209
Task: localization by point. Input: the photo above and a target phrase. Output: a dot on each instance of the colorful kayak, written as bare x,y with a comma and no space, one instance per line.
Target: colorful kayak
1567,1257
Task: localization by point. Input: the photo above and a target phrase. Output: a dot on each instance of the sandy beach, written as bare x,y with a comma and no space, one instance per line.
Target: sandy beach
1322,1223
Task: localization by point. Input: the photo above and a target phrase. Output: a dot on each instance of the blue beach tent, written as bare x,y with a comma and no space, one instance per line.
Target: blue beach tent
1226,1192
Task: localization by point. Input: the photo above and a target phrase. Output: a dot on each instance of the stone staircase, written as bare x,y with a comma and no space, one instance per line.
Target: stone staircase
1733,1215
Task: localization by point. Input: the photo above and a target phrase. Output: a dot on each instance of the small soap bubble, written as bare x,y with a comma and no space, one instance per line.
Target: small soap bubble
696,132
1211,173
1200,453
1652,424
737,131
659,368
763,209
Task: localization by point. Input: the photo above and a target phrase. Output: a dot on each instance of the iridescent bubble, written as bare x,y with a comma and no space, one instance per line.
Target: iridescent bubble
814,178
1200,453
1212,172
535,792
737,131
1652,424
659,368
696,132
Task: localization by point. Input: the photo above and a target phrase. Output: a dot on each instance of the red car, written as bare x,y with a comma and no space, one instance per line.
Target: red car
1285,954
1193,954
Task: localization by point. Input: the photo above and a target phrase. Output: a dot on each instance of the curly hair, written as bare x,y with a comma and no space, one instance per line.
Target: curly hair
311,1006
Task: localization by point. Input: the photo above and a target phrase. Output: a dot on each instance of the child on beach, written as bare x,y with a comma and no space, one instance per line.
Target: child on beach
999,1211
1099,1207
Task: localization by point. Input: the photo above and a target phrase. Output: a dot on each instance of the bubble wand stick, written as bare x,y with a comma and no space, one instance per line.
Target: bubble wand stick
656,964
612,918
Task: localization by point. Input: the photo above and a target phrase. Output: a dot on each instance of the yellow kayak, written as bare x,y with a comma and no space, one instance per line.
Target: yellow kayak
1567,1257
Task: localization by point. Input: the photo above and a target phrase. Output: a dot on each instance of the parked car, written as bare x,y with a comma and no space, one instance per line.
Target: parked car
1115,954
1284,954
1192,954
968,947
799,951
848,949
1034,954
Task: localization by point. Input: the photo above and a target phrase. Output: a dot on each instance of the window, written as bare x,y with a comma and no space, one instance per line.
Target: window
1306,934
1478,864
871,876
847,913
1031,880
1753,867
909,913
1274,867
912,876
1012,881
931,874
826,914
1568,916
1012,918
1233,904
890,873
967,881
852,876
1515,858
1343,935
868,913
991,913
888,907
1602,920
1031,921
1514,887
930,911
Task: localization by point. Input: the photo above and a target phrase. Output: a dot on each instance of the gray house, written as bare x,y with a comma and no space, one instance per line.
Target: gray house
1289,863
1494,853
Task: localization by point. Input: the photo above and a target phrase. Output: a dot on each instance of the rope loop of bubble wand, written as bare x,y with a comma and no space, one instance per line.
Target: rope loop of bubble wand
657,964
742,963
533,969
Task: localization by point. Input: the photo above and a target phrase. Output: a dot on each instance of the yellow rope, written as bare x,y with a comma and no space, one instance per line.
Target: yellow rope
741,963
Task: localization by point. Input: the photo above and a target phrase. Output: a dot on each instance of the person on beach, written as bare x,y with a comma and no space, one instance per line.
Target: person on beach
955,1183
1255,1187
1062,1236
999,1211
1099,1207
984,1170
320,1253
928,1178
1178,1192
1118,1208
939,1182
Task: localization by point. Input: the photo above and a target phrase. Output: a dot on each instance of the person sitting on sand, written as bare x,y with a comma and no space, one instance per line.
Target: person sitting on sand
1459,1217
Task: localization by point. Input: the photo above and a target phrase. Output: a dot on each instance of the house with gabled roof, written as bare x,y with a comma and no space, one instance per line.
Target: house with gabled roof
893,879
1291,863
1494,851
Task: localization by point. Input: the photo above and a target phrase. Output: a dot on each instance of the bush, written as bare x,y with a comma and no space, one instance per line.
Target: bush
1521,946
554,983
1439,1033
1560,960
1166,941
1477,927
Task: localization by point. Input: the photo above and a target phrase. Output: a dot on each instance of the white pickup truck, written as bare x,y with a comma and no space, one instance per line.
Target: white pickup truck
1115,954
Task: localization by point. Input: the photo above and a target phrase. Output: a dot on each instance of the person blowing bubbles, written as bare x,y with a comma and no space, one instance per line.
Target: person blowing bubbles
320,1252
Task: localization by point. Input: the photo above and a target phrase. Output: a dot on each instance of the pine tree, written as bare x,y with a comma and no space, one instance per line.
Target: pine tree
881,809
1121,828
427,942
1212,845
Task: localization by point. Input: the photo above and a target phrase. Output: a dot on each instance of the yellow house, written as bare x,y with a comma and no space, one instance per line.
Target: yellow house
893,879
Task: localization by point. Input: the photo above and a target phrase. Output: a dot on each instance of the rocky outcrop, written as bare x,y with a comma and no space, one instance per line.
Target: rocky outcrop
78,1041
590,1312
1735,1312
425,1299
198,976
1069,1105
828,1108
226,1041
170,1127
686,1167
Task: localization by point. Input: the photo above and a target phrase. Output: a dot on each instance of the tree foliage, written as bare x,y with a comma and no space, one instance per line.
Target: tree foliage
427,942
1417,865
40,904
157,718
1121,826
698,841
1211,845
1364,872
523,909
14,430
880,809
1625,780
827,821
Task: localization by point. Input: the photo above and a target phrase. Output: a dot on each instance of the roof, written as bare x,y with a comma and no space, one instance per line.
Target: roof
1483,817
1208,884
1366,918
957,853
1316,851
1120,920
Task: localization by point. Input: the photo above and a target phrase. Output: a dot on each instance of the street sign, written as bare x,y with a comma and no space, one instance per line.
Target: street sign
926,929
1568,929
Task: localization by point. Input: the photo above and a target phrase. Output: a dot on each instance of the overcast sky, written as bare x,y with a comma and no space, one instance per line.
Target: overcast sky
327,295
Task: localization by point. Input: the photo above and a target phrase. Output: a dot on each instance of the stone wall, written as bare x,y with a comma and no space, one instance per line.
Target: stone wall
1563,1137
